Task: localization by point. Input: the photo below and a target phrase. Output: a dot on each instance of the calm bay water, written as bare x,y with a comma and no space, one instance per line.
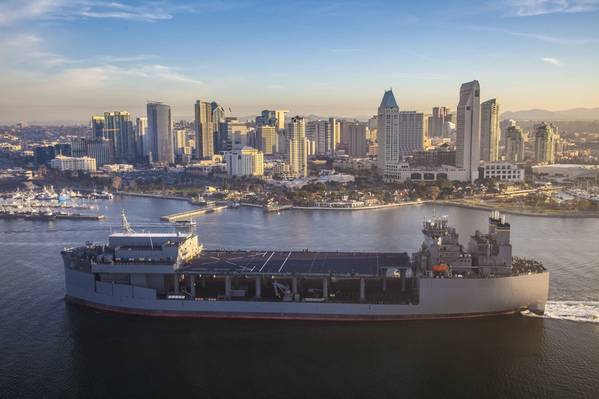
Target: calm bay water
51,349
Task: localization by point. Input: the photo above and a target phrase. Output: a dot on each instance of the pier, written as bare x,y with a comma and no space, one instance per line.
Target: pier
186,215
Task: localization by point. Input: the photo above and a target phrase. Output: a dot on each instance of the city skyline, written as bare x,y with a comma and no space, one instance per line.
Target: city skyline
59,61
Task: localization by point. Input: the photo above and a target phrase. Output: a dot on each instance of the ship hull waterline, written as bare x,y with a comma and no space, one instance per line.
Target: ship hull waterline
438,299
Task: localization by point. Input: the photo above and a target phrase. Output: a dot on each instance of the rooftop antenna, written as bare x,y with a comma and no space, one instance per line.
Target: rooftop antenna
125,223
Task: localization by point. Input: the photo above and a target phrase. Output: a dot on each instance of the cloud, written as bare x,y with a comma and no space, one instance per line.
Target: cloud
528,8
540,37
552,61
15,11
345,50
132,58
94,75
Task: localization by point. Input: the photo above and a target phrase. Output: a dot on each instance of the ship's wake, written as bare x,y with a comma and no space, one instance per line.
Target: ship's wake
581,311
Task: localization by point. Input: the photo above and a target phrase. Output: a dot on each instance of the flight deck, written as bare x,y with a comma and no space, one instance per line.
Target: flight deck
296,262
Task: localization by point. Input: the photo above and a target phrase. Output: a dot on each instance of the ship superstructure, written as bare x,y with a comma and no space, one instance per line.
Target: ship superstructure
171,274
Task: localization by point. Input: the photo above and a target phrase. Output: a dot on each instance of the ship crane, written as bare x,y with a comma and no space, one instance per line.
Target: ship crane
282,290
125,223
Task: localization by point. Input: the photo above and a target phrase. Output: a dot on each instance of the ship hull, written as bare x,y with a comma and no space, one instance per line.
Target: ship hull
438,299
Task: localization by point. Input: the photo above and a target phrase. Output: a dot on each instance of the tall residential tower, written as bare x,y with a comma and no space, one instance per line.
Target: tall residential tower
204,129
160,134
468,129
297,153
388,131
490,133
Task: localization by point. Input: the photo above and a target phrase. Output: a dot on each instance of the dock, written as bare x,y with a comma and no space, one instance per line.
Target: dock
187,215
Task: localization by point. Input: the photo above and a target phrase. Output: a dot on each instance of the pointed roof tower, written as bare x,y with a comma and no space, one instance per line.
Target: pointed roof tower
388,100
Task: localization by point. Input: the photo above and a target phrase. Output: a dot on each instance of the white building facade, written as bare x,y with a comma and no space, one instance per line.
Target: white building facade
401,172
247,161
504,171
75,164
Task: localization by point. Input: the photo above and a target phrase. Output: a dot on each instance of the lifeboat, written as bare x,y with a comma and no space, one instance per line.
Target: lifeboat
440,268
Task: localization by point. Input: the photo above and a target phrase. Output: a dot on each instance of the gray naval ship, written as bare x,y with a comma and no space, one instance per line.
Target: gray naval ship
172,275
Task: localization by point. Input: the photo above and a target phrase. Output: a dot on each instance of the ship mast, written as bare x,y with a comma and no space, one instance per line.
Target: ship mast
125,223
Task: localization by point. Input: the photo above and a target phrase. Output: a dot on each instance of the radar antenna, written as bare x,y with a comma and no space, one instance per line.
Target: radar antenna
125,223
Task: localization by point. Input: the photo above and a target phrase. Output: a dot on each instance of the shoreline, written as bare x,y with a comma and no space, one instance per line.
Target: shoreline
455,203
362,208
159,196
511,211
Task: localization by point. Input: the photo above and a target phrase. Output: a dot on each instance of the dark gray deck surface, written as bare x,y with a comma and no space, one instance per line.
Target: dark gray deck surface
296,262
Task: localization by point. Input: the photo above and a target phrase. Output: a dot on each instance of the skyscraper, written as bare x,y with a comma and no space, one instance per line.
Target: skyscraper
514,144
218,116
356,135
297,154
468,129
97,125
160,133
489,131
274,118
118,127
388,131
204,127
235,134
267,118
436,121
266,138
411,132
141,130
280,115
545,143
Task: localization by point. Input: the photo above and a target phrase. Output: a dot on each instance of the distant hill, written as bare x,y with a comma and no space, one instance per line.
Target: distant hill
576,114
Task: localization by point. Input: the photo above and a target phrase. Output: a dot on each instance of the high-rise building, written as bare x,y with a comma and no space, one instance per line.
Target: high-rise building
160,133
98,148
436,121
267,118
489,131
280,115
274,118
324,134
388,131
357,145
101,150
411,132
235,134
266,138
180,139
514,144
503,126
297,154
118,127
141,130
218,116
468,129
246,161
545,134
372,127
204,128
97,125
312,134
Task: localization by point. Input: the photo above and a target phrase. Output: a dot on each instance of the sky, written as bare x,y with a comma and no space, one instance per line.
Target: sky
64,60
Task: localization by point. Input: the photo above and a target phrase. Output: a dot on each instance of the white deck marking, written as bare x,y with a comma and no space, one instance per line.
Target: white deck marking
285,261
265,262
